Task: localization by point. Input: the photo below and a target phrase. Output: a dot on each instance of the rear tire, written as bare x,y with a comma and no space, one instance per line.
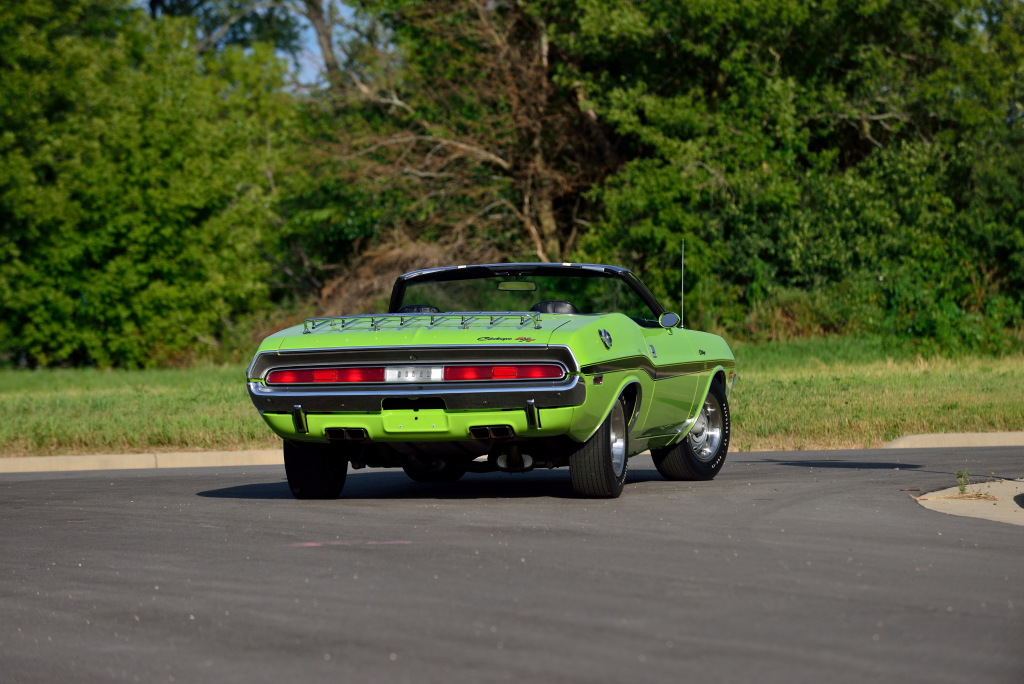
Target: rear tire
598,468
701,454
315,471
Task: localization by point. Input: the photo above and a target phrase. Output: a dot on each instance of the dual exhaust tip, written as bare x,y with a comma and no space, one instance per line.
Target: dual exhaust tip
342,434
492,432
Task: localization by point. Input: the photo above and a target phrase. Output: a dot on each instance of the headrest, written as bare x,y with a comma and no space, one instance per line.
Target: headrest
554,306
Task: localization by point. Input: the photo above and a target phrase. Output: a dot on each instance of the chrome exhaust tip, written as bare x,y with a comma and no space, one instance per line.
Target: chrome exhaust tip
345,434
492,432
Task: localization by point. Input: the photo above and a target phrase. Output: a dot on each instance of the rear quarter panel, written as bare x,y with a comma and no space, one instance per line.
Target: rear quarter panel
608,372
669,382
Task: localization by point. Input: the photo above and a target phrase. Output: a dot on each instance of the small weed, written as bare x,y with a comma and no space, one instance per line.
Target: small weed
963,478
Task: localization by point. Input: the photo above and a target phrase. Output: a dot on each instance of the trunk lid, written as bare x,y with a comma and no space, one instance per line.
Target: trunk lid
400,330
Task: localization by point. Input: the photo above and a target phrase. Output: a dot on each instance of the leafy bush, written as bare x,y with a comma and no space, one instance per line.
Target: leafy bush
847,185
135,187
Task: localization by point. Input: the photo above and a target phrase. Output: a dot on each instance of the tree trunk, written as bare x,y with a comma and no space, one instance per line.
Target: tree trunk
548,225
322,25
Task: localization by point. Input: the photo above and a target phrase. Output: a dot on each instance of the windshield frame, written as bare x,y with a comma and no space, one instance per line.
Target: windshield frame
480,271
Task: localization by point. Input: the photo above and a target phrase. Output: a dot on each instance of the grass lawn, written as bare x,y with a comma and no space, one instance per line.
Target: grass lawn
816,394
824,394
83,411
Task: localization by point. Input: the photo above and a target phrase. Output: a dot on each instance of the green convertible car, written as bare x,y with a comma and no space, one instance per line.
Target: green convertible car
494,367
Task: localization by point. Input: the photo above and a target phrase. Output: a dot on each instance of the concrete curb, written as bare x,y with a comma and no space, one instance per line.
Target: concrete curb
963,440
1005,502
260,457
179,459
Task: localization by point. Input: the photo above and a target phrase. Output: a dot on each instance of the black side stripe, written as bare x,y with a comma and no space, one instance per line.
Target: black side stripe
664,372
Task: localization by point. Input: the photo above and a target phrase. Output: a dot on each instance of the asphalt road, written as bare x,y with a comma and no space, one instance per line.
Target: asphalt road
790,567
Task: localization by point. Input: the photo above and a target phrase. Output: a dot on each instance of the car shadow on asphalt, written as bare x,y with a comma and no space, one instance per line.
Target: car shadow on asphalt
553,484
839,463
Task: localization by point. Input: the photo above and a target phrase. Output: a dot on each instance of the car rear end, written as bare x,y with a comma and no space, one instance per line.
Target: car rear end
379,379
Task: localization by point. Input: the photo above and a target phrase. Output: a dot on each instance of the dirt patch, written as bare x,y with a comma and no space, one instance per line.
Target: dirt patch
365,286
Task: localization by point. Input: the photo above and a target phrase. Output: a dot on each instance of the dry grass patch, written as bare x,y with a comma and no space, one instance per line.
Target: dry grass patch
970,496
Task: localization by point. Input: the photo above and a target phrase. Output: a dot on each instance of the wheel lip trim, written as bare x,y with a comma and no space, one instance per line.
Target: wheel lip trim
617,440
706,434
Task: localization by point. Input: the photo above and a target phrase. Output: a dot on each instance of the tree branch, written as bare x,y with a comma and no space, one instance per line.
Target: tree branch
209,41
472,150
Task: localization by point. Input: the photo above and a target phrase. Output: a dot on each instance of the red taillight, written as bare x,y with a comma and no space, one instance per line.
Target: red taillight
315,375
520,371
467,372
505,372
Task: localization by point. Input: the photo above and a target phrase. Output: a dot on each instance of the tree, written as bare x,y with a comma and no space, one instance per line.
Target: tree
136,185
804,150
461,112
220,23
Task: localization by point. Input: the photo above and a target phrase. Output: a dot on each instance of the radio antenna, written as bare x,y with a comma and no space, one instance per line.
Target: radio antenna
682,284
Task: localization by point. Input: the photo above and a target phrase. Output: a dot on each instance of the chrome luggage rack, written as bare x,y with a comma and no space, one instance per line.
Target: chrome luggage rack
311,325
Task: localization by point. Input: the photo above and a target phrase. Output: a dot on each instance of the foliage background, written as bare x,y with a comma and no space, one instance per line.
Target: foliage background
172,185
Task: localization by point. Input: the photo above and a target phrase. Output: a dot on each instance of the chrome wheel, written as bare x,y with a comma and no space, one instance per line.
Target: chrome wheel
706,434
700,455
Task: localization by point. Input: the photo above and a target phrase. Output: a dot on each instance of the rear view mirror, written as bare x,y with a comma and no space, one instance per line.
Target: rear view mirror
516,286
669,319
